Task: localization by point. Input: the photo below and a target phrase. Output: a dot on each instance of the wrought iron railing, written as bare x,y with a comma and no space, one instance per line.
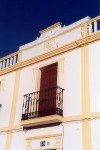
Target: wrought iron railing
43,103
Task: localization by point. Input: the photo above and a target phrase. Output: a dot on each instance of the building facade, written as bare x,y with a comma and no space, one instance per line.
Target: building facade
50,90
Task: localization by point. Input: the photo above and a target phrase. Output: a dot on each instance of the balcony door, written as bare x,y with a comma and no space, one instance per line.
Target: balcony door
48,84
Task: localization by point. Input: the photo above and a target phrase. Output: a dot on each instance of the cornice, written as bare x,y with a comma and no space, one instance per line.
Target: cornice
52,38
44,136
61,33
78,43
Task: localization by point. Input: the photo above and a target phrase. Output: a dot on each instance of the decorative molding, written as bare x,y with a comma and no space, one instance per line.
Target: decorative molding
84,30
36,79
85,40
50,38
93,115
85,82
60,70
49,45
53,37
48,63
37,73
86,135
73,118
86,124
19,56
57,141
64,32
42,120
6,129
44,136
61,65
29,145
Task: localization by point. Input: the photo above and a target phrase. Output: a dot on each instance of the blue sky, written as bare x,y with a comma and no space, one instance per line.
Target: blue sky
21,20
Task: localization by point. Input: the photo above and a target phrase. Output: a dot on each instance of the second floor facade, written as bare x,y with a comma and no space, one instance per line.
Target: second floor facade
52,79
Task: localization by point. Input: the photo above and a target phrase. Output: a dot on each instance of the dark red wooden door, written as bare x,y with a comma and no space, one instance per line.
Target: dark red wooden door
48,88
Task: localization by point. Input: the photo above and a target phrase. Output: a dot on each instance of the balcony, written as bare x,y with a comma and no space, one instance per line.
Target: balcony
42,107
91,26
94,25
9,60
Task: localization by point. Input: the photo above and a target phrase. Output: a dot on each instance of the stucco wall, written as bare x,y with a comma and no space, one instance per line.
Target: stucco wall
3,138
72,136
94,51
6,97
95,133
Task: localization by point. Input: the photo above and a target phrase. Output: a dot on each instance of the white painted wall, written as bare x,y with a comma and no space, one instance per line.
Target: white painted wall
32,52
55,43
6,97
71,82
68,37
95,127
72,136
3,138
44,131
18,141
26,86
94,51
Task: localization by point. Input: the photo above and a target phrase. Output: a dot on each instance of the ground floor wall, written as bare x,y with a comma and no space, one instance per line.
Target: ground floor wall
95,134
70,135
